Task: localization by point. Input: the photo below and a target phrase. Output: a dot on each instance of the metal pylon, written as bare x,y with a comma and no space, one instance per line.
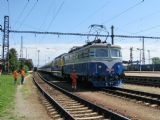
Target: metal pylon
5,51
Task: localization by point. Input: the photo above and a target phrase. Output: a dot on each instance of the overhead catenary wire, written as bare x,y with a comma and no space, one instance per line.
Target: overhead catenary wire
21,13
140,19
46,15
54,17
82,34
121,13
147,29
25,18
92,14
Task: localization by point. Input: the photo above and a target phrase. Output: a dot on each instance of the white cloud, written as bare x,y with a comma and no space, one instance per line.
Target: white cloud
49,51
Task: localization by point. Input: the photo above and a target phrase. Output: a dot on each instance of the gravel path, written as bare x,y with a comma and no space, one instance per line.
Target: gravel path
28,104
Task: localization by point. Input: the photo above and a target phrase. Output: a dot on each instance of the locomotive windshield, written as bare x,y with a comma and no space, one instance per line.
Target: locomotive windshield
101,52
110,52
115,52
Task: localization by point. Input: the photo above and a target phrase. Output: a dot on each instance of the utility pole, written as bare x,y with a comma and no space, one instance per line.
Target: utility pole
5,46
149,57
112,34
21,50
143,53
140,58
38,58
131,58
131,55
26,53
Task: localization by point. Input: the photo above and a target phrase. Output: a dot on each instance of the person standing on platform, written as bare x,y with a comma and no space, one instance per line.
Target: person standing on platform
74,77
22,75
15,75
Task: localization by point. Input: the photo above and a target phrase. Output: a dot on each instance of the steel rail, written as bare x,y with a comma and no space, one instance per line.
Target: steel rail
157,96
140,96
146,81
65,114
103,111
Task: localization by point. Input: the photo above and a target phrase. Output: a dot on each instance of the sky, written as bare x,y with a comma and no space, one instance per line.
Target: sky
129,17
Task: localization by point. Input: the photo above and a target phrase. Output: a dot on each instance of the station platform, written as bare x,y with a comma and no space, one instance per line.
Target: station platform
143,73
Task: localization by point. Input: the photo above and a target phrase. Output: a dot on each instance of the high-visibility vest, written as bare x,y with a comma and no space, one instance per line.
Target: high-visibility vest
74,76
22,73
15,74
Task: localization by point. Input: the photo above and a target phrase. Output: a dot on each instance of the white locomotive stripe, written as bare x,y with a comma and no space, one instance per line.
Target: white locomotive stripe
107,63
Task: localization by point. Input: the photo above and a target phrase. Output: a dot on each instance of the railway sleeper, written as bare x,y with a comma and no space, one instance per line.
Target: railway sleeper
61,95
68,102
51,111
100,117
71,104
81,112
77,106
49,107
85,114
64,100
77,109
57,116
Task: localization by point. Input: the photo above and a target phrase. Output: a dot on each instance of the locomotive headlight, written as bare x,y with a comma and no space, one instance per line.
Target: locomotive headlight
99,66
110,70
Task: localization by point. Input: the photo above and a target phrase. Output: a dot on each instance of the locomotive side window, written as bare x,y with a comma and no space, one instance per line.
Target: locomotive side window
91,52
115,52
86,53
101,52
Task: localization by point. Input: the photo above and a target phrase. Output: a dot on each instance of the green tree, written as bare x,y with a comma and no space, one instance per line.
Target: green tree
29,64
13,60
156,60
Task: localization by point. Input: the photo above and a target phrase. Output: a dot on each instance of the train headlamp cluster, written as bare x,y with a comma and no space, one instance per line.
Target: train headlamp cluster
110,70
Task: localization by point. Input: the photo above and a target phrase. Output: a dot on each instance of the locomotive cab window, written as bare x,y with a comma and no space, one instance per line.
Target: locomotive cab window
115,52
101,52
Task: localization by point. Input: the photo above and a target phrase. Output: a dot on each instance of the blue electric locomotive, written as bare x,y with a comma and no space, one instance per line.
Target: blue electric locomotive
96,62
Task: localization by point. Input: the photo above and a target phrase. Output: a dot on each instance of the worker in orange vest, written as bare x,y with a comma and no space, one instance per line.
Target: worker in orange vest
15,75
22,75
74,77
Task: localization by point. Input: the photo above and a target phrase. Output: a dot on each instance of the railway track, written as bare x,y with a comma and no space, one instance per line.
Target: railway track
142,80
72,107
141,97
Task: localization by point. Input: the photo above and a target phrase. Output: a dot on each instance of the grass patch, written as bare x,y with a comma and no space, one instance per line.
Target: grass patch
7,95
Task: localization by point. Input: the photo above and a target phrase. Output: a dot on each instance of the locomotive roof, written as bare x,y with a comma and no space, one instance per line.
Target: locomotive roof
93,44
60,55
